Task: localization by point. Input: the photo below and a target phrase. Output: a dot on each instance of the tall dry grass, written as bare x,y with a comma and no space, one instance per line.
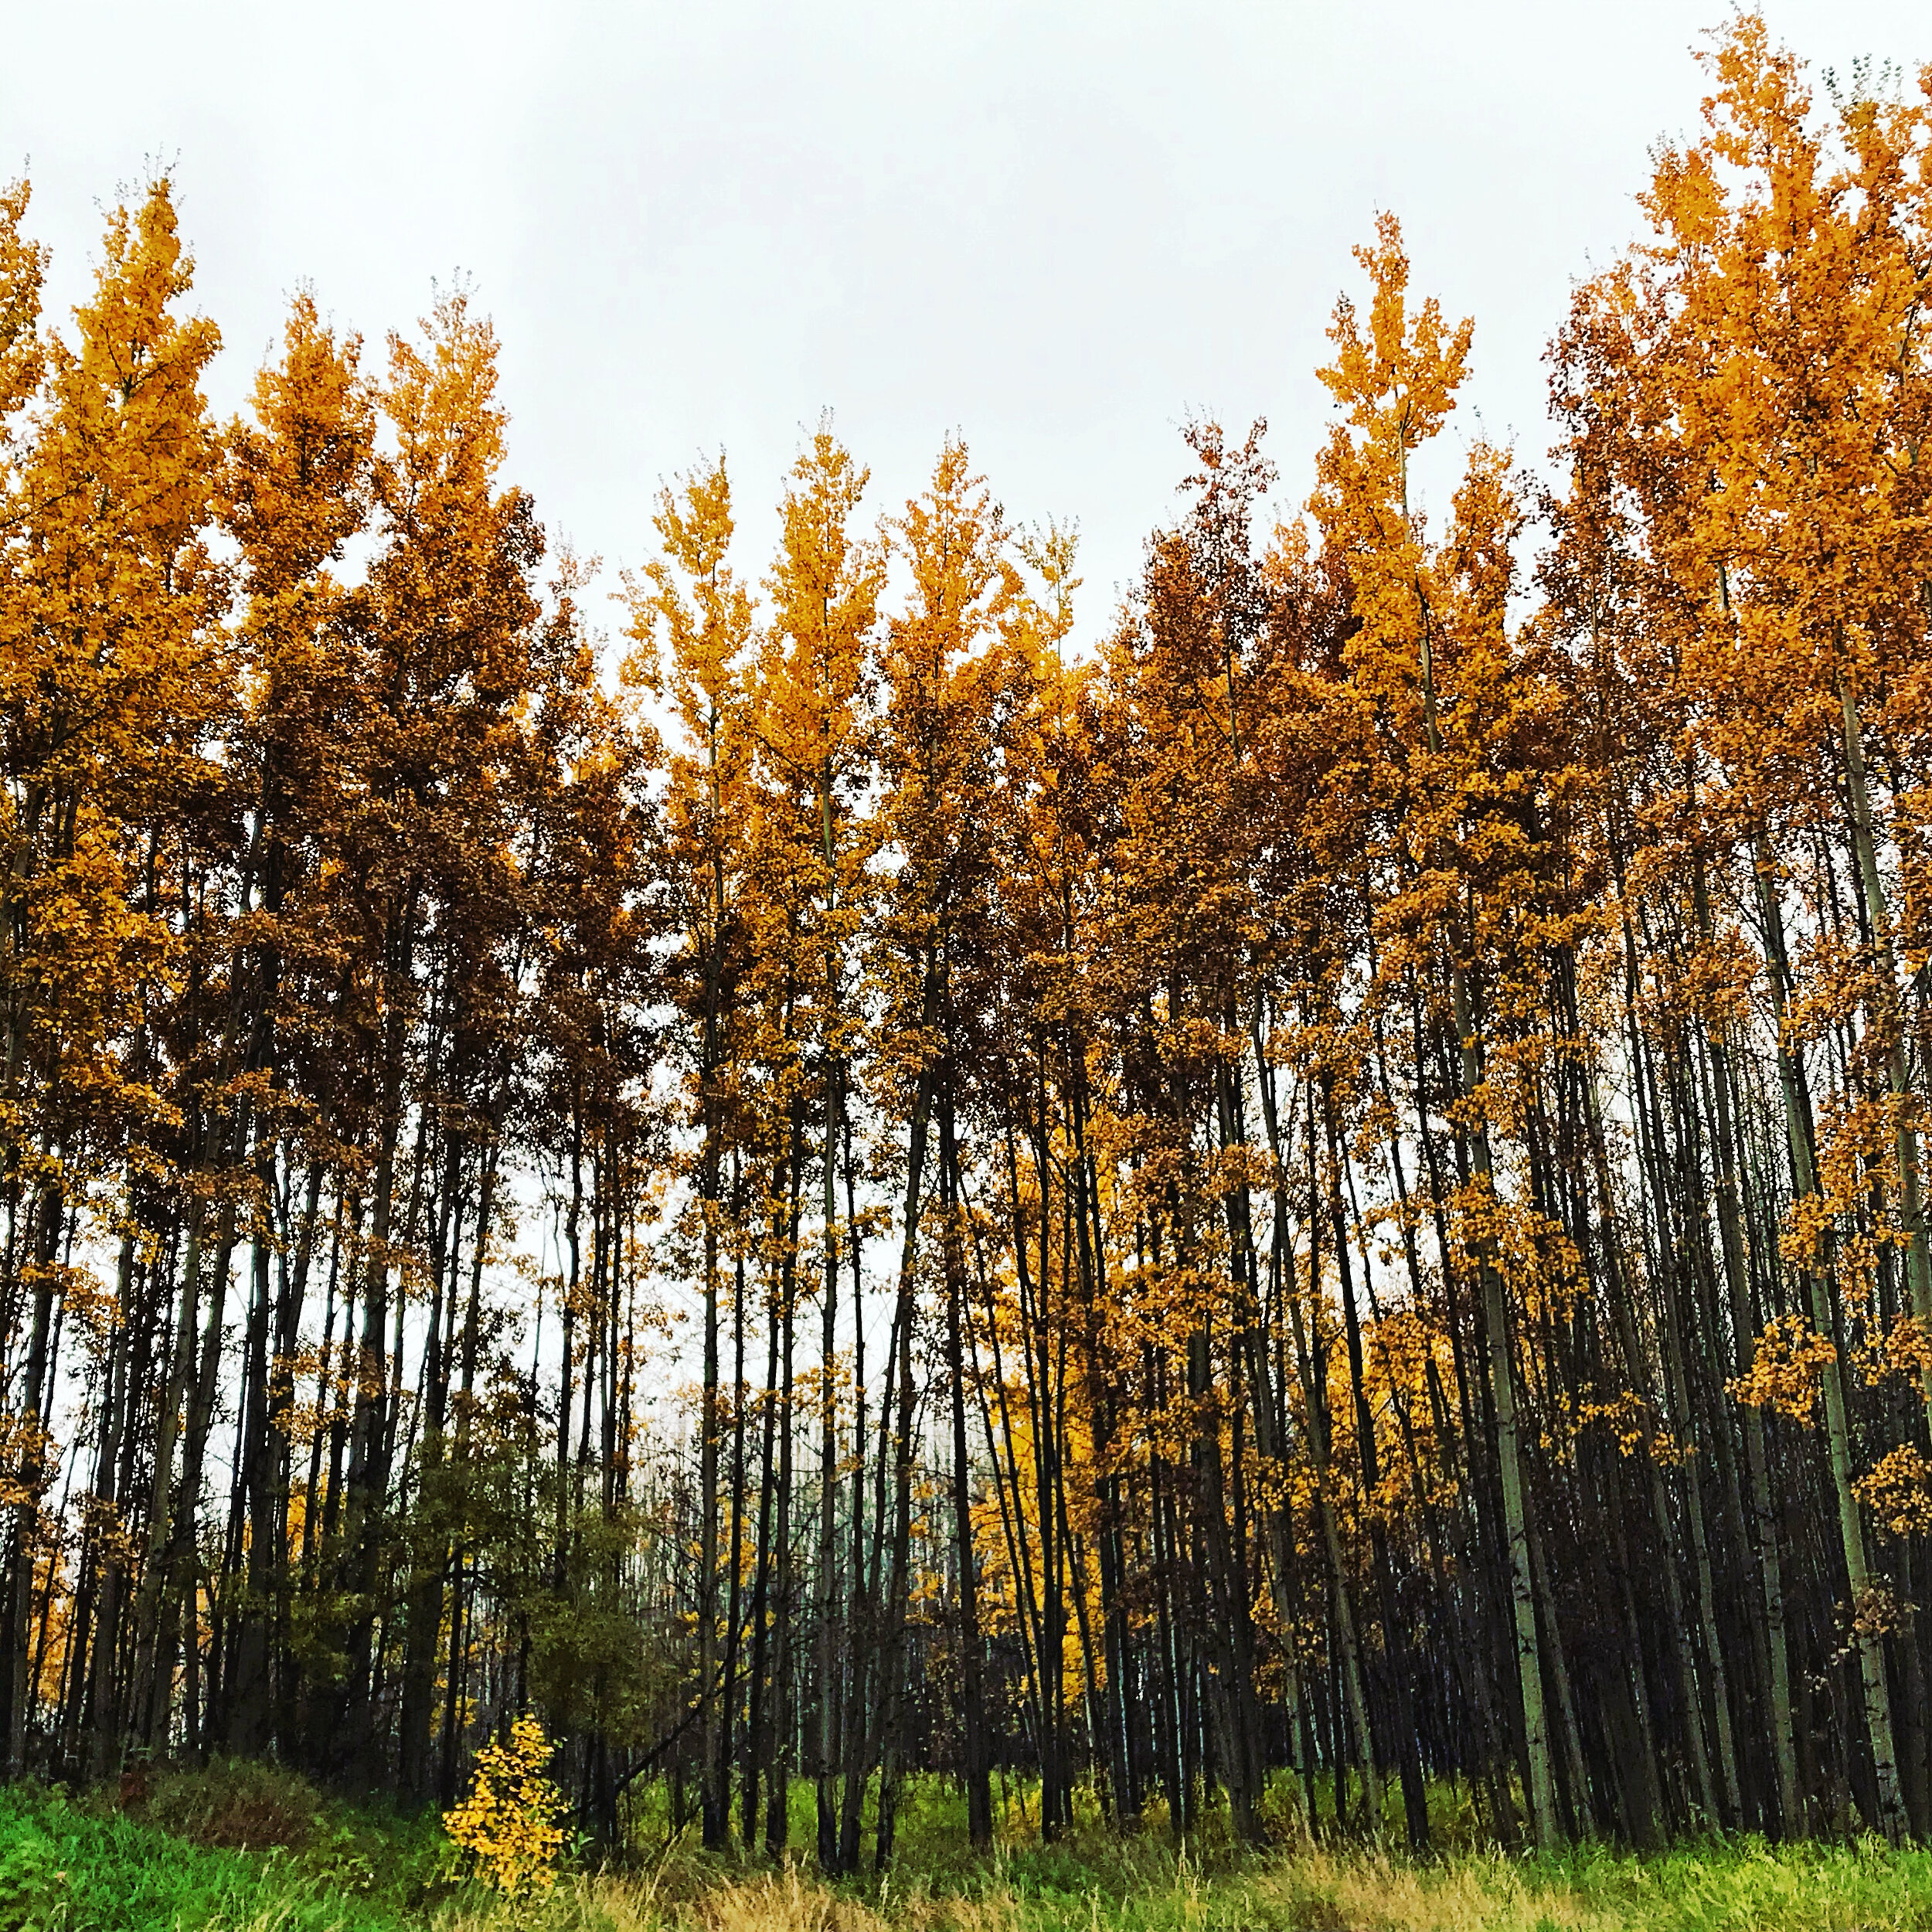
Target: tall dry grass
1729,1887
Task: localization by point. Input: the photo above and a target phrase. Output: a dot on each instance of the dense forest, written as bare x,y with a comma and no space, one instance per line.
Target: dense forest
1321,1195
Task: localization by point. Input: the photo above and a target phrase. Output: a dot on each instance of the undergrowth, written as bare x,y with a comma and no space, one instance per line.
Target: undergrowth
232,1849
253,1849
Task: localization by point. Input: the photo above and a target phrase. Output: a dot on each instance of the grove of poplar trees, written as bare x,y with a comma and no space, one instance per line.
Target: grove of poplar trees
1323,1197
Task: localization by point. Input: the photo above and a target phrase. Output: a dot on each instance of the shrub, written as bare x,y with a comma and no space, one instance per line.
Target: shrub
512,1823
235,1805
33,1889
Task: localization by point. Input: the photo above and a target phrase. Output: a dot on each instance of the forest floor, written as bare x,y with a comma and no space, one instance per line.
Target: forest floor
251,1850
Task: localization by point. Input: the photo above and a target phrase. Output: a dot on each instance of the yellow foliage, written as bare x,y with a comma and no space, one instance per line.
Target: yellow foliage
1791,1357
1626,1416
1908,1348
511,1824
1898,1493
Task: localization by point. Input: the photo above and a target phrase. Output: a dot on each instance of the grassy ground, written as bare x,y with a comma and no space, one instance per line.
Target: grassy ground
253,1850
245,1847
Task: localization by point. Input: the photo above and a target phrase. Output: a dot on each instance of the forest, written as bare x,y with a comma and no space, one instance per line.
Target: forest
1310,1194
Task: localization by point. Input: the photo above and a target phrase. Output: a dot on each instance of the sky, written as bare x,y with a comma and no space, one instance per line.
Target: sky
1056,229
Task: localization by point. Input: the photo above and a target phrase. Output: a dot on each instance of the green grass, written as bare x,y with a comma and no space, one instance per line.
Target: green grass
251,1849
88,1866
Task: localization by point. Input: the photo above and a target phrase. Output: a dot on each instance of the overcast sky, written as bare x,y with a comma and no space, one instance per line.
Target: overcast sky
1055,228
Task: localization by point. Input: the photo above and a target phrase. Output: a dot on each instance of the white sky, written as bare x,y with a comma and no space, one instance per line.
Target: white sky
1056,228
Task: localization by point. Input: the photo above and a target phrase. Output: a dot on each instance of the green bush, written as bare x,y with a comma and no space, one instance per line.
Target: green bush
34,1892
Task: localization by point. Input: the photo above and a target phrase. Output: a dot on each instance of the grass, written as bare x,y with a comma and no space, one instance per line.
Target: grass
250,1848
243,1848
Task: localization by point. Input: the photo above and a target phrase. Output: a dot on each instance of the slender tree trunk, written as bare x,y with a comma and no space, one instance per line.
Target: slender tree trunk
978,1777
1541,1779
1867,1639
1891,1018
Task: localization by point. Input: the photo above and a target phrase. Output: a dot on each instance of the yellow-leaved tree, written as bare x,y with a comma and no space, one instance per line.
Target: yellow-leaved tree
512,1823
